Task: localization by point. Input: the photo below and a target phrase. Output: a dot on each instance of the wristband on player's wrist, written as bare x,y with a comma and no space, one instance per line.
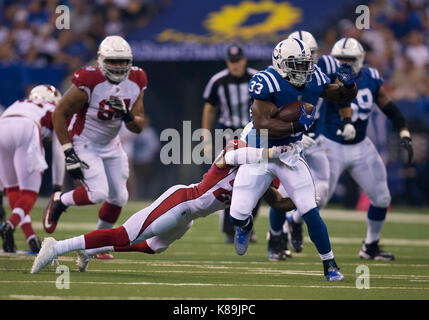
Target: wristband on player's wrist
347,120
128,117
298,127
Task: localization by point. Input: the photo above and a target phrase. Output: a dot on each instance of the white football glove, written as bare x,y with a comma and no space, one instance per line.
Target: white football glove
307,141
275,151
348,132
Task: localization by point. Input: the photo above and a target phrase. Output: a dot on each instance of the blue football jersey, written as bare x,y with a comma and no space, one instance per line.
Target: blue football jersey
368,82
328,65
268,85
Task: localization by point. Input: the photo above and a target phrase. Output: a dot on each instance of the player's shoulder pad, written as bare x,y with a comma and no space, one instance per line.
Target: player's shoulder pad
328,64
46,121
138,76
321,77
88,77
251,70
372,73
263,82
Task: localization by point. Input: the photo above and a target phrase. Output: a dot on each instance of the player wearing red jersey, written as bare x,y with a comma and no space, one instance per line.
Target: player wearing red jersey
100,99
22,127
155,228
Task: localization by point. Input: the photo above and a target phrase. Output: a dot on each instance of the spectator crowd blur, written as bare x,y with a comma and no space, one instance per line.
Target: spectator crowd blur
28,33
396,44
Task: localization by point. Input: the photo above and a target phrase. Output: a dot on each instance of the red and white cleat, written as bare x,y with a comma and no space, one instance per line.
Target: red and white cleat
53,212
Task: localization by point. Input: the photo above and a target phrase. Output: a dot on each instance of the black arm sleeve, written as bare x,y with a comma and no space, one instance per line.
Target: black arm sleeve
392,111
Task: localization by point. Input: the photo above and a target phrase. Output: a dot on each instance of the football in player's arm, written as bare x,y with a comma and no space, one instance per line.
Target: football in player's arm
264,111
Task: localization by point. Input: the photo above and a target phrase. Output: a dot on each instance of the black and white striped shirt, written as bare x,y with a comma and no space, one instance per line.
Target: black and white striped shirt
231,95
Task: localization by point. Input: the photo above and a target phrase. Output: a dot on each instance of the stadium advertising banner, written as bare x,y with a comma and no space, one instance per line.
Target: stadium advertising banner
200,30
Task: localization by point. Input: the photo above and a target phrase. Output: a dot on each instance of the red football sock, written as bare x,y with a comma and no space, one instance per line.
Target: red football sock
80,196
14,219
27,228
141,247
12,196
109,212
23,204
26,200
106,237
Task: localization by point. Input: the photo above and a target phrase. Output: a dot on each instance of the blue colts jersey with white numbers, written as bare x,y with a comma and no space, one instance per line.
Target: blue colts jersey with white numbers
268,85
368,83
328,65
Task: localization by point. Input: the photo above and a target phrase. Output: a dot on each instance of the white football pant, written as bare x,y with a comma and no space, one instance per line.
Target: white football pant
22,155
253,180
365,166
106,178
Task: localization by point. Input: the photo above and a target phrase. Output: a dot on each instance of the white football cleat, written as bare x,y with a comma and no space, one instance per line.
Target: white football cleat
46,255
82,260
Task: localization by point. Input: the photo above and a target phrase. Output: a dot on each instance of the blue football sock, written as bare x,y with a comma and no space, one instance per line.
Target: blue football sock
277,219
317,231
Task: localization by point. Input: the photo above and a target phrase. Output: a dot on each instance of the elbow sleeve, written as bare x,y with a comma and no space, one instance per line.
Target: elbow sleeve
394,114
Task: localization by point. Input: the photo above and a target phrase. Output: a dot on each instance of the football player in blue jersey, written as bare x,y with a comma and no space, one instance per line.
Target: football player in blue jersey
293,77
314,153
359,155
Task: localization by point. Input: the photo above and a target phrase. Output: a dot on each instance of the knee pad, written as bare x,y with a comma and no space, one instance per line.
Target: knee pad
120,199
382,201
97,196
157,245
381,198
322,193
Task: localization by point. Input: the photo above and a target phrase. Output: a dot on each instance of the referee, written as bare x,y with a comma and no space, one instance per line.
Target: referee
226,98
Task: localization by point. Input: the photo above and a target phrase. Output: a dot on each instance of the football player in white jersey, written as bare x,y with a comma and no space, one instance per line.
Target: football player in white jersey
155,228
100,99
22,127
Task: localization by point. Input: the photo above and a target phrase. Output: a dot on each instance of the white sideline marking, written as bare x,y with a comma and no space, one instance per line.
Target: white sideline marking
199,284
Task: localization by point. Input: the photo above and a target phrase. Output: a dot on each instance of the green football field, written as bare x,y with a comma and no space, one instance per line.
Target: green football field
202,266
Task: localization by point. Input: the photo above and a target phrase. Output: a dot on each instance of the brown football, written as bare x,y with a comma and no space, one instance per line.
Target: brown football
291,112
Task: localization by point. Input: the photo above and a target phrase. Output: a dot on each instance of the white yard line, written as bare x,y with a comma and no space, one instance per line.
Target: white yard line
200,284
211,263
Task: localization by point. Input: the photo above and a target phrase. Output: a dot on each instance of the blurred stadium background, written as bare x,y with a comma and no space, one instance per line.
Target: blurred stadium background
181,44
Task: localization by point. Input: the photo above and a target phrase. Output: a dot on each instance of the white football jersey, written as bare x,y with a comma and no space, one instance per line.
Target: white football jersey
97,121
38,110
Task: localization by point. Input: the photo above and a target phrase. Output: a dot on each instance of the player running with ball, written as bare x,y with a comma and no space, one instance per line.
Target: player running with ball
293,77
